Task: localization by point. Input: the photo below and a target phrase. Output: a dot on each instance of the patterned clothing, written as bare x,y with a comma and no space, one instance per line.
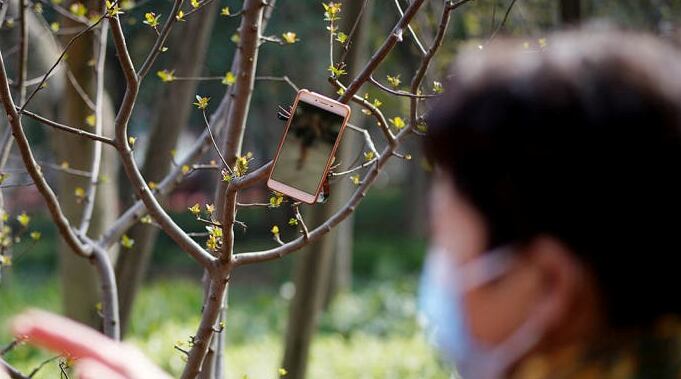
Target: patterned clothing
651,354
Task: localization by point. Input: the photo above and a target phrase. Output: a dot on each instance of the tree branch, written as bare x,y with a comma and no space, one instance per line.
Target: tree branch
89,205
378,57
100,259
138,183
33,168
346,46
418,43
416,81
59,59
13,372
502,23
158,44
279,79
201,5
79,89
23,51
68,129
211,311
397,92
215,145
138,209
372,174
303,227
318,232
65,12
372,109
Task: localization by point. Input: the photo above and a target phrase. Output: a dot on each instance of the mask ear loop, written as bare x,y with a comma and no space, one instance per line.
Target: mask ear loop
483,269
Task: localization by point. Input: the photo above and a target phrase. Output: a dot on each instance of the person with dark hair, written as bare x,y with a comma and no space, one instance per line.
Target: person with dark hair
555,210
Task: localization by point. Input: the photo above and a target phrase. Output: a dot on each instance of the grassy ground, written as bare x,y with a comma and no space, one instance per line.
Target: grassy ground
369,334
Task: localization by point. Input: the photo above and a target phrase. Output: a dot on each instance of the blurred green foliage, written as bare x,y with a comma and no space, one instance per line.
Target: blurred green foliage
371,333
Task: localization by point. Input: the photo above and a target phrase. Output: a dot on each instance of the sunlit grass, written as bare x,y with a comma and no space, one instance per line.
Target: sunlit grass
371,333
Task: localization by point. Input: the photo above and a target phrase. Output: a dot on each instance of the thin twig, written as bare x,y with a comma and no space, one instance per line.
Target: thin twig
252,205
110,314
11,370
158,44
33,169
10,346
65,12
279,79
416,81
391,91
181,350
15,185
284,78
411,30
89,207
201,5
299,217
42,364
215,145
66,170
355,169
61,57
382,52
346,46
69,129
502,23
209,222
23,51
372,109
79,89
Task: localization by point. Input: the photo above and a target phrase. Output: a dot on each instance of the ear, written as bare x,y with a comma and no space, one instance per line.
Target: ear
562,277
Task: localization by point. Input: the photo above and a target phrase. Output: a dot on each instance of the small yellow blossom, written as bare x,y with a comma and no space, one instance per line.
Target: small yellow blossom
127,242
195,209
24,219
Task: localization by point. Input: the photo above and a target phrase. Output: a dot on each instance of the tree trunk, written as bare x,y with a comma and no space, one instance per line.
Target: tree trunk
570,12
79,281
311,282
214,364
173,108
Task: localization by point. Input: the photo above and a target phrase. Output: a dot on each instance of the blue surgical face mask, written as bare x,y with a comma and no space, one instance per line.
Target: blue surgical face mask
443,287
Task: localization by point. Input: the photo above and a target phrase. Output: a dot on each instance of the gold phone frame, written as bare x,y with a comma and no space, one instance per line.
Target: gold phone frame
326,104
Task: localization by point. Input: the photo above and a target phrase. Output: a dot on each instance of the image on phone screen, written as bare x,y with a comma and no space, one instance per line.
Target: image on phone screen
307,146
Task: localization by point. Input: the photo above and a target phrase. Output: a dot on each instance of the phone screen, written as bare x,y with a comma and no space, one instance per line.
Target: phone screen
308,143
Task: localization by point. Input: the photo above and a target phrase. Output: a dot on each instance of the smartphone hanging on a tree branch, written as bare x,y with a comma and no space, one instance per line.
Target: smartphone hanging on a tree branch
308,146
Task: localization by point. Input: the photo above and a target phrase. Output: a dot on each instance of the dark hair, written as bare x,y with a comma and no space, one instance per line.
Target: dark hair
580,141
